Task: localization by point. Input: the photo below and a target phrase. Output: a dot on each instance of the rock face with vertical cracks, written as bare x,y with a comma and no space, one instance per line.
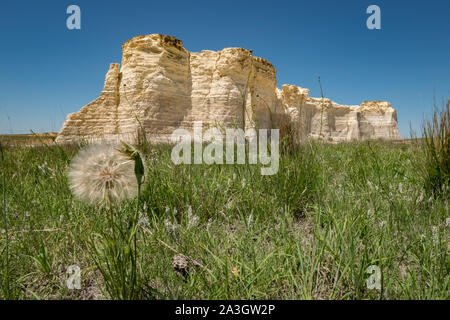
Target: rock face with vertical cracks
161,87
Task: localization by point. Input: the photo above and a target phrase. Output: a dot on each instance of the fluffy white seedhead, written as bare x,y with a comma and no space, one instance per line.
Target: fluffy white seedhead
102,174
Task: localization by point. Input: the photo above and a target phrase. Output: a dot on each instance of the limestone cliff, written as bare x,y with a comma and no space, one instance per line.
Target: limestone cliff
161,87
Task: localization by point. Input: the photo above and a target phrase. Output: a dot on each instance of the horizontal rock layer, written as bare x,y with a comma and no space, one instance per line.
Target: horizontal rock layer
161,87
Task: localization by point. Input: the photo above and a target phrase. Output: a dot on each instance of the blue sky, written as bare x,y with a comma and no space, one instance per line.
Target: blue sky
48,71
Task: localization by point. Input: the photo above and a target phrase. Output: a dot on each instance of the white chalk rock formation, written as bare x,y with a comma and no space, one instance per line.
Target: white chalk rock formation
161,87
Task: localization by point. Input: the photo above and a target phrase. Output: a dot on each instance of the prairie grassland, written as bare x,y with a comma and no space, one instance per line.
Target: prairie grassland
308,232
28,139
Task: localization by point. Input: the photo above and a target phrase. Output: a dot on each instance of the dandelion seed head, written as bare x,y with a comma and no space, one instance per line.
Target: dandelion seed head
100,173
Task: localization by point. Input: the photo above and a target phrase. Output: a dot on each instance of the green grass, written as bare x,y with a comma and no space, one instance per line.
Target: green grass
308,232
436,167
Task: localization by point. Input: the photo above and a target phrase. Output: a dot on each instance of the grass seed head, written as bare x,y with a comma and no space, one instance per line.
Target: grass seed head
101,174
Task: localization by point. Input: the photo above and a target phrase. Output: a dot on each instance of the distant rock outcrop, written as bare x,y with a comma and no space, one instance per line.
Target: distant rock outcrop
161,87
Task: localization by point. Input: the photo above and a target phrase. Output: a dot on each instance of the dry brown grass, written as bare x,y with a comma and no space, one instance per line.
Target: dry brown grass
33,139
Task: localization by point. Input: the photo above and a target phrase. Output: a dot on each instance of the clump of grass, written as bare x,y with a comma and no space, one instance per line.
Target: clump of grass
436,138
287,135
